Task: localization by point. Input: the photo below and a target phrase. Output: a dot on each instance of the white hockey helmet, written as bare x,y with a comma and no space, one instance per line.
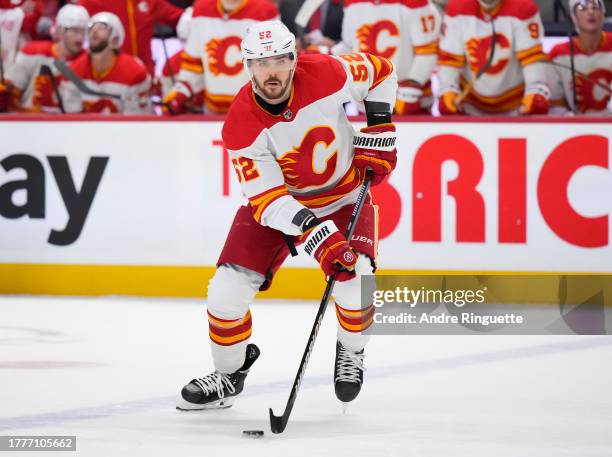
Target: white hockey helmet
72,16
113,23
184,24
267,39
574,3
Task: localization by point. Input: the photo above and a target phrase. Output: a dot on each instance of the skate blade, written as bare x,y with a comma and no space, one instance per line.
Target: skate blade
345,405
224,403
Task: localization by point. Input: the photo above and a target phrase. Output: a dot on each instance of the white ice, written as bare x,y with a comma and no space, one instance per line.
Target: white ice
108,370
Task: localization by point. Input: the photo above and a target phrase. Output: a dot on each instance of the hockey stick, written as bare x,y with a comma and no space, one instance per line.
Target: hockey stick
278,423
470,85
572,68
46,71
166,56
2,81
303,16
85,89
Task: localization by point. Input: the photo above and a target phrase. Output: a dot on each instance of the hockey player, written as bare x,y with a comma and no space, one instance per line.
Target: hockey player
292,147
138,18
514,75
33,90
592,51
403,31
107,70
211,60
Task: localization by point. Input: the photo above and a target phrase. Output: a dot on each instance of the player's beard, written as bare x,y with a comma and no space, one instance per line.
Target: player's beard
100,47
275,94
489,4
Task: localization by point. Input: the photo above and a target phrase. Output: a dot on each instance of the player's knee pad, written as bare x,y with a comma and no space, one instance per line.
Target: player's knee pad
348,293
231,290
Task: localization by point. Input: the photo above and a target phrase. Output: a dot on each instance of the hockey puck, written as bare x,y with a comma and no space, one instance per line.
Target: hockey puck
252,434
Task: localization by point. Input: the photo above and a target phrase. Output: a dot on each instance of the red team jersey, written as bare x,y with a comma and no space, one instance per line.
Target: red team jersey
138,18
127,77
591,98
304,156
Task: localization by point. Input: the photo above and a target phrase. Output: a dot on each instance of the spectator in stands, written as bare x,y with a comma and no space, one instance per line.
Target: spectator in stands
587,90
212,61
33,89
138,18
406,33
105,69
485,73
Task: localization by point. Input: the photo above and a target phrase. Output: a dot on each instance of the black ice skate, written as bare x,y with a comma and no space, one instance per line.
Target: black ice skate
348,373
217,390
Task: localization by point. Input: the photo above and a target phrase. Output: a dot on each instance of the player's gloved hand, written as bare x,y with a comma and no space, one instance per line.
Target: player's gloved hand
536,100
329,247
177,100
175,103
447,103
409,99
5,98
375,149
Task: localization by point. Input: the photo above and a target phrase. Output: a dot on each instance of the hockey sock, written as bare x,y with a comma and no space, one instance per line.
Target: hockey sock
229,339
352,324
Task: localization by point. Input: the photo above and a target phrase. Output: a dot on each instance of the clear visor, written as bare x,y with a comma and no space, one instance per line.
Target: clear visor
98,25
280,63
583,5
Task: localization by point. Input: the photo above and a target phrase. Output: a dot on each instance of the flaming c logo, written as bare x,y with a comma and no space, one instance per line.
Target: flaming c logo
216,50
43,92
479,50
311,162
367,35
589,95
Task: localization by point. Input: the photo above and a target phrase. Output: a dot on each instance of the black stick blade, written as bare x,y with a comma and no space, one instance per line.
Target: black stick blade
277,423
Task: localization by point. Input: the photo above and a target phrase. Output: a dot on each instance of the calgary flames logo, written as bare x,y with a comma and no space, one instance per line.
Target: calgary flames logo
479,50
589,95
311,162
367,35
43,92
216,50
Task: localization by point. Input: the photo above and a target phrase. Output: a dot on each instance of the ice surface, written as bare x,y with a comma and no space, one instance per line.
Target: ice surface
108,369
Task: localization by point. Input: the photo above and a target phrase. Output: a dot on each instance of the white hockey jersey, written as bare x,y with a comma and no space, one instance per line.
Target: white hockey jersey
36,93
517,67
403,31
11,21
304,156
212,61
597,66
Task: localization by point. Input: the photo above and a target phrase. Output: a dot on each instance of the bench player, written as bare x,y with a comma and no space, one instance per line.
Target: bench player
514,76
292,146
592,50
